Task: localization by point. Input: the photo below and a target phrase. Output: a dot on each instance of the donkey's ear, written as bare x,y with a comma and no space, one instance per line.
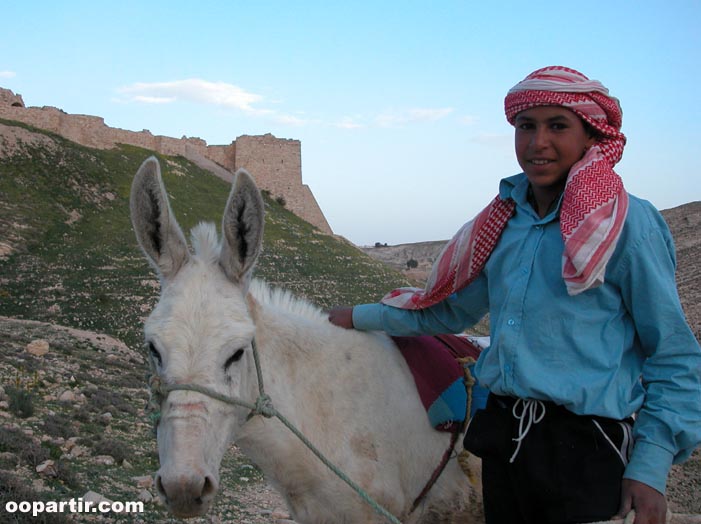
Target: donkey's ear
157,232
242,228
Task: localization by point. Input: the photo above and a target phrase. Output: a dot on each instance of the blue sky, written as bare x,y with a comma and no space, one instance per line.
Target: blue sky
398,105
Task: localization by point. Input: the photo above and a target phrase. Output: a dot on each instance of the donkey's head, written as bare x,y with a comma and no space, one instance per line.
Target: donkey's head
200,332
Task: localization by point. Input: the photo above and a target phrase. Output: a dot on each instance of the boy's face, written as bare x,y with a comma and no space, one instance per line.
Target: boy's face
549,140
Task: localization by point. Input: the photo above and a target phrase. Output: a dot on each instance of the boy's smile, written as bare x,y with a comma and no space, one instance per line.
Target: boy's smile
549,140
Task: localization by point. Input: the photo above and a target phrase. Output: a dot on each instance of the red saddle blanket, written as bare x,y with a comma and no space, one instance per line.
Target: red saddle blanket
439,377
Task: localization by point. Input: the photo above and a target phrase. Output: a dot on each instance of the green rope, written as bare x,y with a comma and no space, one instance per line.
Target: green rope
263,406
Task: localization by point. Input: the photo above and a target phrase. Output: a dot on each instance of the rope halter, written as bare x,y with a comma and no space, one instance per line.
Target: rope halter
159,390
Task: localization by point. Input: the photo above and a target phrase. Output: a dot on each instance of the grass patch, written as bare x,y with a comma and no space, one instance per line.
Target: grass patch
90,274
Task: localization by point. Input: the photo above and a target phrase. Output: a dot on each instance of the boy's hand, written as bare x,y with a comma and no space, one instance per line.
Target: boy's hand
649,504
342,317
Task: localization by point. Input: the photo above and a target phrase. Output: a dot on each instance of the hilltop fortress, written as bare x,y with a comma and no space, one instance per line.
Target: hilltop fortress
275,163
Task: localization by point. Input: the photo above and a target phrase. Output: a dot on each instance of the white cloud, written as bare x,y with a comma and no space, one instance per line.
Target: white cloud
289,119
194,90
206,92
349,122
7,74
412,116
154,99
234,97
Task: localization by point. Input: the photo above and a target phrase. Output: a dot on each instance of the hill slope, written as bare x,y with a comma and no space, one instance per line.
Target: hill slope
69,255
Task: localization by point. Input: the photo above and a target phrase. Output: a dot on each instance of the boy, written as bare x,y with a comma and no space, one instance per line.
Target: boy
587,330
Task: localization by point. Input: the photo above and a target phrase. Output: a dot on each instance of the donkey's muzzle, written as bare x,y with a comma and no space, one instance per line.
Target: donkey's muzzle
186,494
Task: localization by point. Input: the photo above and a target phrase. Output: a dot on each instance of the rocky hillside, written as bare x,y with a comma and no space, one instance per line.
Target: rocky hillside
414,260
684,222
68,254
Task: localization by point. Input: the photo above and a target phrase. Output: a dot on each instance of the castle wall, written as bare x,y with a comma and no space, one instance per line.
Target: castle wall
223,155
275,164
311,211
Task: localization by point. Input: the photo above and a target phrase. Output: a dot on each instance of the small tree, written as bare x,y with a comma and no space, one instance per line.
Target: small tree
412,264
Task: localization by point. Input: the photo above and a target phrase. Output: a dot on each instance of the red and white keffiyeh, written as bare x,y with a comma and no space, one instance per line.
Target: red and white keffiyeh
594,204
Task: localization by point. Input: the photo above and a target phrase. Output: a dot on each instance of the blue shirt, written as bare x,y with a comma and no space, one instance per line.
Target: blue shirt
586,352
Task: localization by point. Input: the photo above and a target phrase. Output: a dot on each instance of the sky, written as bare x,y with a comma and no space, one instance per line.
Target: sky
398,104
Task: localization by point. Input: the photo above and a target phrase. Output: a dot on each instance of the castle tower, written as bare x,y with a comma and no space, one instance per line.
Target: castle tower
276,165
8,98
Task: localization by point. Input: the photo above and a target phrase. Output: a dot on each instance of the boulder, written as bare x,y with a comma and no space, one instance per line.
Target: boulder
67,396
47,468
38,347
95,498
144,482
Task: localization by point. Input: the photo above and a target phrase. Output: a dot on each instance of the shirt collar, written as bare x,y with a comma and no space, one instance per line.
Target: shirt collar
516,187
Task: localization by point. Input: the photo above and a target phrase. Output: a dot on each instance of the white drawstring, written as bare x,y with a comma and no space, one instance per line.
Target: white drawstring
530,414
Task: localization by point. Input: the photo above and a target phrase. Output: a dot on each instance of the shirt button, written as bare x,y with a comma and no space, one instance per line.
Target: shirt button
507,367
538,227
511,322
524,270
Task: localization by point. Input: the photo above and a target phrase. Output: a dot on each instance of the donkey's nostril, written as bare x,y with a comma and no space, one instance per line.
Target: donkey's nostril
209,488
160,488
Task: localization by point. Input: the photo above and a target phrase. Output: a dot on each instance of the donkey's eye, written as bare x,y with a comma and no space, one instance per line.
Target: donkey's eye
233,358
155,354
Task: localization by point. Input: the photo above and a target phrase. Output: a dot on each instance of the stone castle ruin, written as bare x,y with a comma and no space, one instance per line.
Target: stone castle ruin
275,163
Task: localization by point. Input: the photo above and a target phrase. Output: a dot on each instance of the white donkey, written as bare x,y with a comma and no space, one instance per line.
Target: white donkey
350,393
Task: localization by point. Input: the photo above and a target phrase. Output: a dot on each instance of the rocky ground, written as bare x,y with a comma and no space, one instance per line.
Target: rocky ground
72,425
84,433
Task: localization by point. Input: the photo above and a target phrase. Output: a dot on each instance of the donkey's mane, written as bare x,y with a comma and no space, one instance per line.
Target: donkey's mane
284,300
207,247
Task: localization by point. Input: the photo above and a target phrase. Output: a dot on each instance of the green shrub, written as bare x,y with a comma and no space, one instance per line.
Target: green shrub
58,426
21,401
101,400
66,476
113,448
14,441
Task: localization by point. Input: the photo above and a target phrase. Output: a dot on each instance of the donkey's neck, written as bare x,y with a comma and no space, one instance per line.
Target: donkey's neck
311,373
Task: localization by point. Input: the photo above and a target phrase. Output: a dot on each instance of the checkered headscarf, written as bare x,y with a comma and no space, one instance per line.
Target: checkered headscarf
588,99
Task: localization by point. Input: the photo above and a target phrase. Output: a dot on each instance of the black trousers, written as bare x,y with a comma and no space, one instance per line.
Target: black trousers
567,469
